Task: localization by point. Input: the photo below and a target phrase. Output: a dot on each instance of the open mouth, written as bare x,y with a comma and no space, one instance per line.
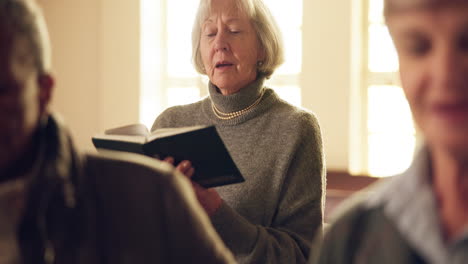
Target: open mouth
452,106
454,110
223,64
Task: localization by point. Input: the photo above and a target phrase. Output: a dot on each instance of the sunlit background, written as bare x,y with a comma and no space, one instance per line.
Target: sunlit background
391,134
168,77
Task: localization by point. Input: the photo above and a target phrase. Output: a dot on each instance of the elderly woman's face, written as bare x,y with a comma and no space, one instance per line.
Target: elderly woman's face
229,47
432,45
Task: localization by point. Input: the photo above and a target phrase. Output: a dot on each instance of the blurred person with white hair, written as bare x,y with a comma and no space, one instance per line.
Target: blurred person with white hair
420,216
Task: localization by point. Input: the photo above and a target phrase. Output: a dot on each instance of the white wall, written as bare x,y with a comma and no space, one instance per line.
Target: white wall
96,63
74,36
97,67
326,73
119,53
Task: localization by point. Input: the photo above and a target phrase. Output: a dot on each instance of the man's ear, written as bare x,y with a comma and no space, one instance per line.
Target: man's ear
46,84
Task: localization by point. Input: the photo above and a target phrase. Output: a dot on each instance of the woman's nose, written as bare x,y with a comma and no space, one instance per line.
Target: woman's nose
221,43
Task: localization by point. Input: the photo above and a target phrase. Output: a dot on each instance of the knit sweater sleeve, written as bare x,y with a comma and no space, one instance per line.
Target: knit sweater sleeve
165,119
299,212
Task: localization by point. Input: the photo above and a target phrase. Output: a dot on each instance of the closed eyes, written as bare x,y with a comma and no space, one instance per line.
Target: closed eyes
211,33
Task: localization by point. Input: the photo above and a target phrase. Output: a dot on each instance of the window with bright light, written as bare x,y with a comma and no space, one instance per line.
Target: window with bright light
168,76
390,130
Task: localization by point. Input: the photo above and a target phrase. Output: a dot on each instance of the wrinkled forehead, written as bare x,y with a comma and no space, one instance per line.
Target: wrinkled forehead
230,8
392,6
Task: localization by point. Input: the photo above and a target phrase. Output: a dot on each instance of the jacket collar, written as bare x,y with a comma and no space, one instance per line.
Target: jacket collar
52,195
409,202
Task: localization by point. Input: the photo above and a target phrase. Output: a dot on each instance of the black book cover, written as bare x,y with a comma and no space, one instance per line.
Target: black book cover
201,145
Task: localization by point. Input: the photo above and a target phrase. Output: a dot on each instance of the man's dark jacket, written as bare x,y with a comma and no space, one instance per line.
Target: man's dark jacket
111,208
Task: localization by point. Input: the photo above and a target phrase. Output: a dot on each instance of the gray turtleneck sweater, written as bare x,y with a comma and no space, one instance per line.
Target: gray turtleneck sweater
273,216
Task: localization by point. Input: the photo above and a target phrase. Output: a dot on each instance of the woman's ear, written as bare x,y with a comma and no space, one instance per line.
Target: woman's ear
46,84
261,54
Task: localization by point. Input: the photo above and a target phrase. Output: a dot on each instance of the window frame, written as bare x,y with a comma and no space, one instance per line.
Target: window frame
363,80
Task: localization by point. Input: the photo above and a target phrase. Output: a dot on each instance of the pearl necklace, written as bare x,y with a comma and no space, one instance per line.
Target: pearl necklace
231,115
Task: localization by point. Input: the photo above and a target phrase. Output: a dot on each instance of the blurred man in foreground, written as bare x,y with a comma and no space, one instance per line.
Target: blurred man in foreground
60,206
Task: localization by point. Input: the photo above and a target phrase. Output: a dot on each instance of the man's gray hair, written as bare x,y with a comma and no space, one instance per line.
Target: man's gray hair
23,18
265,27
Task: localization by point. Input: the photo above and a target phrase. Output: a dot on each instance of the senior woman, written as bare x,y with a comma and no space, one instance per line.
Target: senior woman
273,216
420,216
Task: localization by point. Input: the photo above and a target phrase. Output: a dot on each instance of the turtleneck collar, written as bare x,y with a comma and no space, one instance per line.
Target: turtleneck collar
240,100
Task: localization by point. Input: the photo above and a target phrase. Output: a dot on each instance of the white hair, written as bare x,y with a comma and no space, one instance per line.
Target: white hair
265,26
394,6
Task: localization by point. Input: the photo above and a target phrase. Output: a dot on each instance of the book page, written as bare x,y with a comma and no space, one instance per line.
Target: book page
122,138
165,132
131,130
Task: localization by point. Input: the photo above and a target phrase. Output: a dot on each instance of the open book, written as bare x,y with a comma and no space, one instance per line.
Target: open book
201,145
